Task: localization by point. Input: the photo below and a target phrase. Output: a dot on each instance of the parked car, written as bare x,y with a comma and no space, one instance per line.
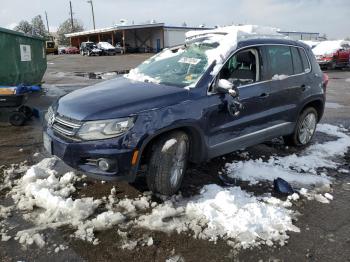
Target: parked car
62,50
89,49
182,106
119,48
72,50
107,48
333,54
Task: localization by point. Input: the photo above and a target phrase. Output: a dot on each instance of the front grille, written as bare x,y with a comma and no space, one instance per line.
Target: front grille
64,126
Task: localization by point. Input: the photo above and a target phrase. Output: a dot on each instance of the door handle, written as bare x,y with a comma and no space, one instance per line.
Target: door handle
264,95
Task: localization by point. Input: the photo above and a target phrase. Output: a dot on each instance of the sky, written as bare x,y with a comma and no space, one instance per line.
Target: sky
330,17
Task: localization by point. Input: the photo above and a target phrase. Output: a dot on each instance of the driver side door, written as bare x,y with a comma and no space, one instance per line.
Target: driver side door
228,132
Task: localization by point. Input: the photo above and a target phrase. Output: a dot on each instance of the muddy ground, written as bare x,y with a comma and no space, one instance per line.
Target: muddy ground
325,229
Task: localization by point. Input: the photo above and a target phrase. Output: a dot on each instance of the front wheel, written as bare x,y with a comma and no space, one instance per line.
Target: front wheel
168,163
305,128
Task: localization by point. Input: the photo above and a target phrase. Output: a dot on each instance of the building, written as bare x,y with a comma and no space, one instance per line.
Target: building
302,35
135,38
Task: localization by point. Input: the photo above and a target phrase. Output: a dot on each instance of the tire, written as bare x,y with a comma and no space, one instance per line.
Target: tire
332,66
27,111
167,164
17,119
303,132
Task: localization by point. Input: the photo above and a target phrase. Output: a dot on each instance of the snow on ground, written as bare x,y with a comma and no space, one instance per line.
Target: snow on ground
297,169
333,105
224,213
44,198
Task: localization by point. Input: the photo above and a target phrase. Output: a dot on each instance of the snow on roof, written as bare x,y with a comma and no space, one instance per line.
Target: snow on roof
310,43
329,47
228,37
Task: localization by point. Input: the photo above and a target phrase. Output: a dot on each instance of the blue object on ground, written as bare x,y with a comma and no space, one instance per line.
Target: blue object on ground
22,89
282,186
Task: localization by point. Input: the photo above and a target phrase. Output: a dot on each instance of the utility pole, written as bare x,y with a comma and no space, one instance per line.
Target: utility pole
92,10
71,15
47,23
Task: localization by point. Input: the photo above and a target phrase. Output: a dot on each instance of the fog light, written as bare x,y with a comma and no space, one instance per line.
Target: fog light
106,164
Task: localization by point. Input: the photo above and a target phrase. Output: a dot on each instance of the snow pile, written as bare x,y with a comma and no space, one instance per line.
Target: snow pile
135,75
40,187
299,170
45,199
329,47
227,213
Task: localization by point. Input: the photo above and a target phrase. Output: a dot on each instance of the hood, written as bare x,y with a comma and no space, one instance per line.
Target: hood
119,97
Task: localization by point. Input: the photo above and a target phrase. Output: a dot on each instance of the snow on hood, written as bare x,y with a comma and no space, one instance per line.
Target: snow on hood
329,47
228,37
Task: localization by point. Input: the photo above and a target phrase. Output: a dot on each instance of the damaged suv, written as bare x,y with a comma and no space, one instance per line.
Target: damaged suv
224,90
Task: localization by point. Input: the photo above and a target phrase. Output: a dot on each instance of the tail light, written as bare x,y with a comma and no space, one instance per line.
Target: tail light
325,81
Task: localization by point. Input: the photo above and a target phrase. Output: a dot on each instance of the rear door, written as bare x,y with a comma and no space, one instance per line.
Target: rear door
288,81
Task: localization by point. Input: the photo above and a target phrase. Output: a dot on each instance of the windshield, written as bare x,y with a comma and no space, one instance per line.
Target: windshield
178,67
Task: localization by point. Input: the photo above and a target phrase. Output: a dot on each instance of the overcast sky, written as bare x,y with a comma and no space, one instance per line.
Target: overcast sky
331,17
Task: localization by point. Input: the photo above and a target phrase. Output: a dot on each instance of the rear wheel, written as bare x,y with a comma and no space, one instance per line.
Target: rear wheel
168,163
305,128
27,111
17,119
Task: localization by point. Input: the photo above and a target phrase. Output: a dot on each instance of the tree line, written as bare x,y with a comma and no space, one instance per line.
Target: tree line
37,27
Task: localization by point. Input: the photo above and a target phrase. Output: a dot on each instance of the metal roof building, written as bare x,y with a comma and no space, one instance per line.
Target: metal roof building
135,38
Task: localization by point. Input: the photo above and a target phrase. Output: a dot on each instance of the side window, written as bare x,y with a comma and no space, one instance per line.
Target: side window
306,63
242,68
280,61
297,63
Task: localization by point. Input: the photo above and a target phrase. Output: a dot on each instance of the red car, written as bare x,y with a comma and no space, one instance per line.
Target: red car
72,50
333,54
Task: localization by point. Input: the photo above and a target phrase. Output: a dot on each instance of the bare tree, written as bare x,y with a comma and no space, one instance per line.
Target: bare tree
66,28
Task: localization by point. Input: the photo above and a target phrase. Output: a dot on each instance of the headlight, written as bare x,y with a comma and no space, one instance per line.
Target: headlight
94,130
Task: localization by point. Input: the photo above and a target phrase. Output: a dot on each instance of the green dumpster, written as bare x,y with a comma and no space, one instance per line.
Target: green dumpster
22,58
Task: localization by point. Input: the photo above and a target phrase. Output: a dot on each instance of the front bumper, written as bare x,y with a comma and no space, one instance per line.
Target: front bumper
78,155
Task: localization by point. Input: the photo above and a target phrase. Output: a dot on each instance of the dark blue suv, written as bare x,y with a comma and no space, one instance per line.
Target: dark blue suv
187,105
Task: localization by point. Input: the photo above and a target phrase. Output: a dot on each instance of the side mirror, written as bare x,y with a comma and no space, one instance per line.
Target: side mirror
226,87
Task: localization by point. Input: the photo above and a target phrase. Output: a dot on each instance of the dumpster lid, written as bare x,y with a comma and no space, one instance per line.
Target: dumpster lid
8,31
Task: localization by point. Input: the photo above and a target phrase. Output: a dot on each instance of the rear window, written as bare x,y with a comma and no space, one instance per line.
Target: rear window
297,63
305,60
280,61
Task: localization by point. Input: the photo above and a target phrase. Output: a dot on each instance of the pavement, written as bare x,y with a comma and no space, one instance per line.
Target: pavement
325,229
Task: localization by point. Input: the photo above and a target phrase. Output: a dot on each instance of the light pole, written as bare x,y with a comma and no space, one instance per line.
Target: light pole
92,10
